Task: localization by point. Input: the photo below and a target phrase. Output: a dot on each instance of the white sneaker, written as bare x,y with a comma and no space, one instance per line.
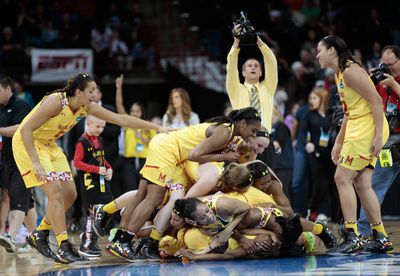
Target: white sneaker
8,242
25,248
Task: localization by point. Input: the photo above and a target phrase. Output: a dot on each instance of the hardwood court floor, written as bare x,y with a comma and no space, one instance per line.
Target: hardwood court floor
33,264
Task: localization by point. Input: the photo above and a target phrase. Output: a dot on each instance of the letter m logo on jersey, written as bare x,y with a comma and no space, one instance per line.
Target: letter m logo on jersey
161,177
349,160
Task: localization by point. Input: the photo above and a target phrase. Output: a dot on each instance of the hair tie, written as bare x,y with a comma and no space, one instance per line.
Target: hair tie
78,80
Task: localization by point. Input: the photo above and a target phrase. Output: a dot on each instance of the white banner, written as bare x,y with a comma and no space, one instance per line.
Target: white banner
53,65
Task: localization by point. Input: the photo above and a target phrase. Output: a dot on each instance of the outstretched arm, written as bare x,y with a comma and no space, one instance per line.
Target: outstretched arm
122,119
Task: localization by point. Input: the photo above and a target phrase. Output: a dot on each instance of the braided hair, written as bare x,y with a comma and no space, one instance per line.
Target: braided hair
235,176
186,207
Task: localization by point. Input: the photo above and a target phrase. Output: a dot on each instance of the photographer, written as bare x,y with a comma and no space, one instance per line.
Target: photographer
252,92
389,90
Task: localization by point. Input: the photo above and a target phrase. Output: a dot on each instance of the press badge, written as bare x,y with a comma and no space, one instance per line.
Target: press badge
102,184
390,107
385,158
323,139
139,147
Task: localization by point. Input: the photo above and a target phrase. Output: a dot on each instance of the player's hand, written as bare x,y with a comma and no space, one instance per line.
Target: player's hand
119,81
231,156
39,171
162,129
376,146
103,171
336,152
250,246
109,174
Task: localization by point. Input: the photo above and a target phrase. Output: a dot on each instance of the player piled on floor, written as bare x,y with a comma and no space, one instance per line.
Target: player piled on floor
95,173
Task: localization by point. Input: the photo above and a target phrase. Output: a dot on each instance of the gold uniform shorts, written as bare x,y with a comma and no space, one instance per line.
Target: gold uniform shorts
360,133
50,156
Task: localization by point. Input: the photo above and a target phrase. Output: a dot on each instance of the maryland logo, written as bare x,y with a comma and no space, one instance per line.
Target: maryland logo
348,160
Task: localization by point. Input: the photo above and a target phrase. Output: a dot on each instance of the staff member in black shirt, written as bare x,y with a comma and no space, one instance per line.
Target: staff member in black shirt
317,127
12,112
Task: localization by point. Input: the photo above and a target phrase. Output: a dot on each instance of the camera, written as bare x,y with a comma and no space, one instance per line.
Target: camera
377,74
248,36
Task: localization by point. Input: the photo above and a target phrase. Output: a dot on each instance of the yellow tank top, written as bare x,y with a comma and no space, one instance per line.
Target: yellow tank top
58,125
137,142
189,137
354,106
252,196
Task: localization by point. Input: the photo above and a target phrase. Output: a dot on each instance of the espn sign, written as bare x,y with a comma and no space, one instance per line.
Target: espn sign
54,65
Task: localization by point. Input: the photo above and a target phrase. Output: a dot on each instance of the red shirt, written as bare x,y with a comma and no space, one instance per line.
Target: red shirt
391,99
80,154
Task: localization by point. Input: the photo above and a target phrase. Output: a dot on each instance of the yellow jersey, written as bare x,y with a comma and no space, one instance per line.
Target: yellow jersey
189,137
252,196
354,106
58,125
136,142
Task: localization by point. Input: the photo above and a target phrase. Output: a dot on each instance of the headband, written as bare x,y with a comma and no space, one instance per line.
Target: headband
262,133
247,182
260,174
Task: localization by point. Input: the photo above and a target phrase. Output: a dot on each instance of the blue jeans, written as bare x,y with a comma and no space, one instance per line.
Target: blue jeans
299,193
382,179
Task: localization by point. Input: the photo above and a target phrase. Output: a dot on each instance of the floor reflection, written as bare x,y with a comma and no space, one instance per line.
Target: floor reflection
362,264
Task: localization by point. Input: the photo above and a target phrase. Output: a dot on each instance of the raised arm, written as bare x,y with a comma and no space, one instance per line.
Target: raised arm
270,66
119,100
232,74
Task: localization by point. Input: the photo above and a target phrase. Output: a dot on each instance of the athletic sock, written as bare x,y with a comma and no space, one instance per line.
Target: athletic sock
155,235
352,225
378,226
110,208
61,237
44,225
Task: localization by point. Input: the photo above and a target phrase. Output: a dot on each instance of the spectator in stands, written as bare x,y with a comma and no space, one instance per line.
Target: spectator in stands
119,50
252,92
23,94
179,111
142,54
50,35
12,52
69,35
